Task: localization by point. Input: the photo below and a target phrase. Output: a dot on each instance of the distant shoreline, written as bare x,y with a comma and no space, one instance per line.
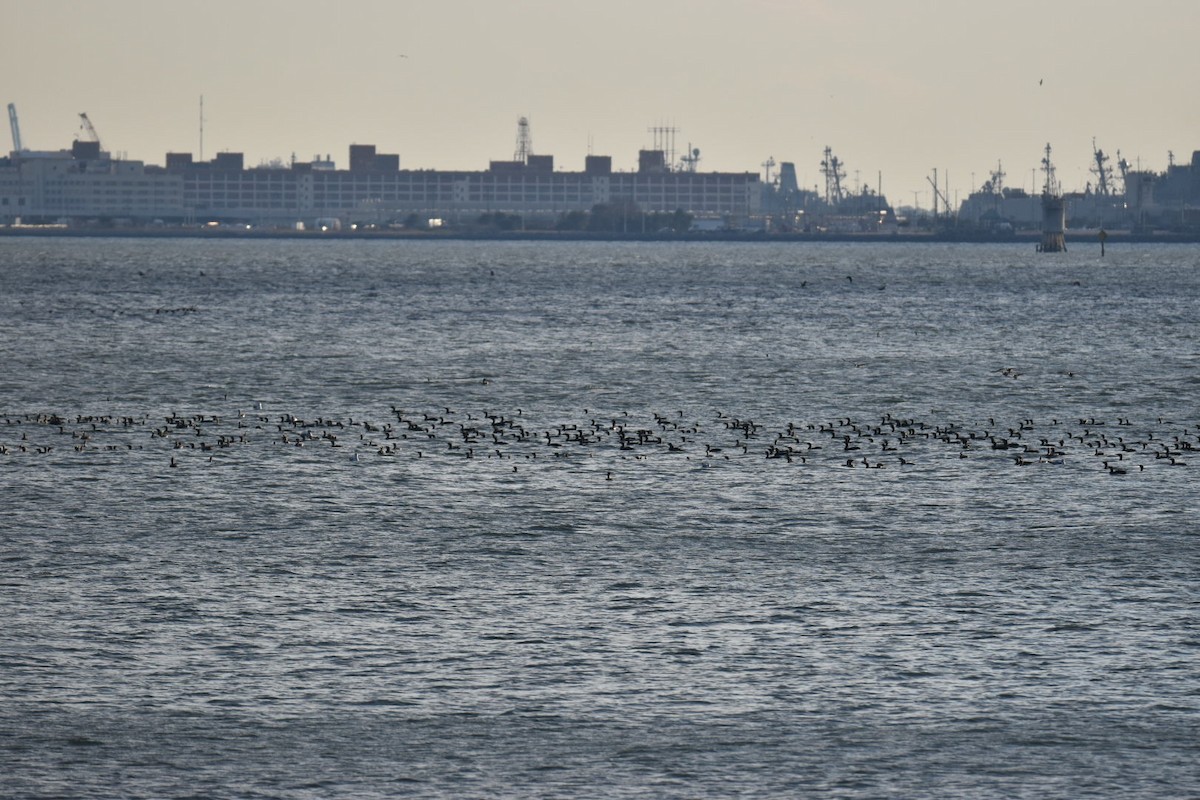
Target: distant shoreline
1079,238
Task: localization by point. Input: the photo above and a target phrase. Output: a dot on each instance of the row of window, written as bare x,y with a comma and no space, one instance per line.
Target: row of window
90,182
274,199
217,205
359,183
349,201
111,193
76,204
245,196
507,195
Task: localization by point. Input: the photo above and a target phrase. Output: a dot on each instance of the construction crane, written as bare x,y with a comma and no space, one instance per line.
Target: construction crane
88,129
16,128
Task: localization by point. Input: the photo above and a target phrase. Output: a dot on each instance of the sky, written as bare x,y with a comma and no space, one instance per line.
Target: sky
895,89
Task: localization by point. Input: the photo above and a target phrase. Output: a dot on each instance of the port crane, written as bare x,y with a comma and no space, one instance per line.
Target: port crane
939,195
16,127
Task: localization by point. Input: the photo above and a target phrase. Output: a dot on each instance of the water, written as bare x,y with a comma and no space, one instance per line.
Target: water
452,604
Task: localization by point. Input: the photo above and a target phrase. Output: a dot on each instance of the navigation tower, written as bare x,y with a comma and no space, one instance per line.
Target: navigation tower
1054,219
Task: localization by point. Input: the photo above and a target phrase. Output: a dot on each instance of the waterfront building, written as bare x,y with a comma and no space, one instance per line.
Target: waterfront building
86,184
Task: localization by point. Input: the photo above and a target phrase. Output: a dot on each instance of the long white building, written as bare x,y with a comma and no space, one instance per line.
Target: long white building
84,183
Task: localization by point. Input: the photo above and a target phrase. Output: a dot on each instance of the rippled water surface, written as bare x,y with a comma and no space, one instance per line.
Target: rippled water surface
337,519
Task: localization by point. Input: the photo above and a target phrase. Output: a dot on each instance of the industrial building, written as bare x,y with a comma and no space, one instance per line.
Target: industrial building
86,183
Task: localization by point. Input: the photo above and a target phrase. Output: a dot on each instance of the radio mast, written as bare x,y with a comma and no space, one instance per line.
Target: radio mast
201,128
524,141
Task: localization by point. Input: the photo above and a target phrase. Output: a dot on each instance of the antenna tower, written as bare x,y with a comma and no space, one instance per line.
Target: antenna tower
691,160
524,141
664,140
201,127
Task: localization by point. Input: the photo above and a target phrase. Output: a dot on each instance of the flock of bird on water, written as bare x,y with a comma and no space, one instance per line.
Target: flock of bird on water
1117,446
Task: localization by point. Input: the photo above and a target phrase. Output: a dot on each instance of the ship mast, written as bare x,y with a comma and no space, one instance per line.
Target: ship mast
1123,167
1102,171
768,165
832,169
996,179
939,194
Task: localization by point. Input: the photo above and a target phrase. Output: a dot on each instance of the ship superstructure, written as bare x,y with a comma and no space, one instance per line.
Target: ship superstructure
1122,198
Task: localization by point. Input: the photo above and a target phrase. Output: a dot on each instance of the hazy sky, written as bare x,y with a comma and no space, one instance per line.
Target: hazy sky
893,87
